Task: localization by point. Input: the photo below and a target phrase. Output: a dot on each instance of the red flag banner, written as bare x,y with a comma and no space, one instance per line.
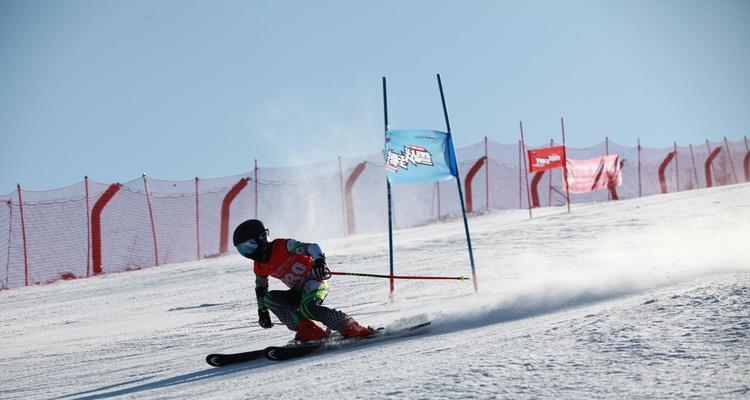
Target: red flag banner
546,158
597,173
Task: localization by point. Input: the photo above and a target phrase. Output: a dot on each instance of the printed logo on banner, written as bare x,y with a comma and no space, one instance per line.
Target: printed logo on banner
542,162
416,155
546,158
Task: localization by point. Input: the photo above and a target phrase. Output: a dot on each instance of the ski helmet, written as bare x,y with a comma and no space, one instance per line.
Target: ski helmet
250,237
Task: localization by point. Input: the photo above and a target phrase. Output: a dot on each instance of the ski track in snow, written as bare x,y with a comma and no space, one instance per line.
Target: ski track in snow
644,298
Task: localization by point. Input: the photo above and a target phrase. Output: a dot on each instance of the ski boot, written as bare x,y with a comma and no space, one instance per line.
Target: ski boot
309,331
353,329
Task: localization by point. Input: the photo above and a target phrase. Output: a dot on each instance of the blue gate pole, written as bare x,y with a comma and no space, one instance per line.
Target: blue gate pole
460,192
388,186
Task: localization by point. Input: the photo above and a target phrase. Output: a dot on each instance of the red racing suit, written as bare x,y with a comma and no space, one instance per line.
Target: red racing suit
289,262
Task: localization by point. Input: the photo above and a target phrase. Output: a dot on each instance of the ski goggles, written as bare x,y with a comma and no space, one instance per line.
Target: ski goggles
247,248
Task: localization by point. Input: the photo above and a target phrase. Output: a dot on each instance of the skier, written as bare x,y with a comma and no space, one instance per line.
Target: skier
302,267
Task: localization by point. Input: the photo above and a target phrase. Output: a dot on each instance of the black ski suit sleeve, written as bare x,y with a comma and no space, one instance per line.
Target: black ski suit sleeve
261,290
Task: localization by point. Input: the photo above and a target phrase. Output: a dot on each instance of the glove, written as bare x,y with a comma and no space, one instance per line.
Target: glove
264,318
319,270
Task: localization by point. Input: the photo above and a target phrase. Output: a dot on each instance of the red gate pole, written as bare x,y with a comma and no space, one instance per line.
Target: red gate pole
256,188
349,200
523,152
343,198
96,227
695,170
709,165
88,227
729,154
534,191
640,185
23,235
662,168
151,216
677,166
467,183
197,222
487,176
225,209
565,164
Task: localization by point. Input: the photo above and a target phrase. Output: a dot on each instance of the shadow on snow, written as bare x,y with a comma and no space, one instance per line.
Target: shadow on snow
173,381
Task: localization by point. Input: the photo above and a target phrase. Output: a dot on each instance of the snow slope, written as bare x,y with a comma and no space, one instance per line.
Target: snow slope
644,298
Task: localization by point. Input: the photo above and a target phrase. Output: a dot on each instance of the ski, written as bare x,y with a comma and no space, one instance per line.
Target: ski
280,353
221,360
296,350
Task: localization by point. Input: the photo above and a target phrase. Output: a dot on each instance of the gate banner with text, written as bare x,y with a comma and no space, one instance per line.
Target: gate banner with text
546,158
597,173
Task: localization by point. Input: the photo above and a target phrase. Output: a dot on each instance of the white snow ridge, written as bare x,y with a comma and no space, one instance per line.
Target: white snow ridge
637,299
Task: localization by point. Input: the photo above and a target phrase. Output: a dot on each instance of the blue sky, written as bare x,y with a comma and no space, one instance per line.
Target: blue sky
177,89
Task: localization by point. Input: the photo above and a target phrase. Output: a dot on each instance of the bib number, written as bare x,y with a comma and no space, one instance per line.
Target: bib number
295,275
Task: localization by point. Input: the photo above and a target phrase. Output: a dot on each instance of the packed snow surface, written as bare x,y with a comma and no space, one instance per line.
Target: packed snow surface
646,298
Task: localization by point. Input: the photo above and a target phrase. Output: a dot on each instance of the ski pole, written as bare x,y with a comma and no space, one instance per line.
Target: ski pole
455,278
